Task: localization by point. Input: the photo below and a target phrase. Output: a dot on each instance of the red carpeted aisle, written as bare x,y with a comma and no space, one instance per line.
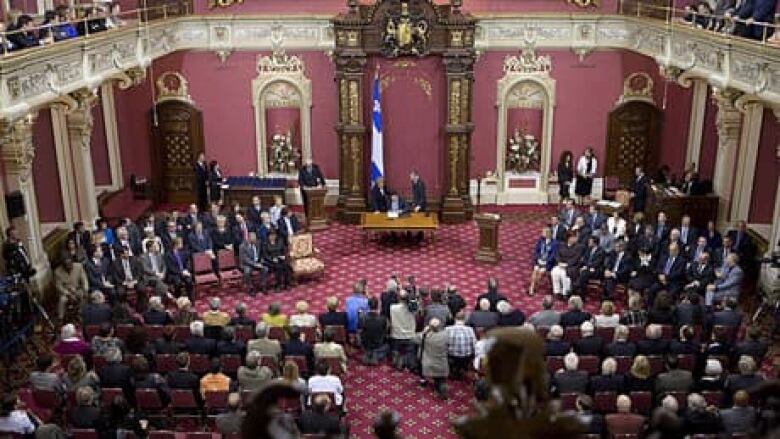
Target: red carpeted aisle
349,258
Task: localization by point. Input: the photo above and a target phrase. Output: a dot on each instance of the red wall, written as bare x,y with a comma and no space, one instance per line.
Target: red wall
132,109
99,147
767,169
709,139
45,173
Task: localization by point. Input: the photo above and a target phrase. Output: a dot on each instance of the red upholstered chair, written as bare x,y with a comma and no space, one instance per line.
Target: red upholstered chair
542,331
623,364
228,270
571,334
183,333
98,361
203,273
183,400
568,401
47,401
277,333
91,331
667,332
303,257
271,363
230,364
198,435
122,331
687,362
216,402
244,333
714,398
554,364
300,361
311,334
200,364
656,364
606,334
339,333
148,400
642,402
605,402
153,332
682,399
83,433
165,363
636,333
590,364
65,359
162,434
108,394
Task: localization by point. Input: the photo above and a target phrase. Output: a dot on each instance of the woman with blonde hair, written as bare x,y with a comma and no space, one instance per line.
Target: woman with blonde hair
607,317
302,318
77,376
638,378
291,375
184,314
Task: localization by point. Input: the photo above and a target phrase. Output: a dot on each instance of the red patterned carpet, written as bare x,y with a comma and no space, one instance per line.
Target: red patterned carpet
349,258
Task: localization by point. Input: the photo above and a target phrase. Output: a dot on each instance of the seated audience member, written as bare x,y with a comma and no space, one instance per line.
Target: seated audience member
674,379
221,235
65,15
752,345
215,380
72,285
591,265
44,377
86,414
21,35
575,316
662,312
437,309
460,346
317,420
669,402
198,343
70,343
555,346
333,317
241,319
685,344
712,380
740,418
566,265
123,313
253,376
115,373
77,375
184,314
621,347
274,316
325,382
483,318
607,318
698,419
288,225
644,274
127,272
593,422
547,316
609,380
262,344
652,344
97,312
229,345
373,331
720,345
638,378
747,378
624,422
296,346
182,378
275,258
302,318
389,296
355,306
330,349
433,341
250,255
215,316
700,273
569,379
508,316
727,315
689,311
291,376
635,315
144,378
589,343
618,265
727,283
137,343
14,419
545,252
671,272
230,421
178,268
156,314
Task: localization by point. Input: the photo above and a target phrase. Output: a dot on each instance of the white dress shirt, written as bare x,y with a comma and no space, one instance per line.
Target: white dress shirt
327,383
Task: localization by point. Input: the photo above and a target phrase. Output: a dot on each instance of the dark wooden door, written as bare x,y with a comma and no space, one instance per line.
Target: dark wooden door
633,138
177,139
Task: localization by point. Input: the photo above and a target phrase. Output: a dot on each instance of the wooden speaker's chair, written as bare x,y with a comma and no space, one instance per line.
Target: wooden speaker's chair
303,261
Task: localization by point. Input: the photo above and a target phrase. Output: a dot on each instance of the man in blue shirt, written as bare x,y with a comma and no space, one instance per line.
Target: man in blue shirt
356,305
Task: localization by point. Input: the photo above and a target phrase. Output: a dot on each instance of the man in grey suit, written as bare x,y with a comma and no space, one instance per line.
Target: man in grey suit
230,421
728,282
153,267
674,379
249,254
741,417
267,347
547,316
570,380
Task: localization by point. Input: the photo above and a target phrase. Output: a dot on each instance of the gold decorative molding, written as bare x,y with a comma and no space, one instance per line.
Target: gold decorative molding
637,86
224,3
173,86
584,3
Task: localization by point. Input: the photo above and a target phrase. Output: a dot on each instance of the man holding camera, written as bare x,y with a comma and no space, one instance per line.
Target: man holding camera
433,341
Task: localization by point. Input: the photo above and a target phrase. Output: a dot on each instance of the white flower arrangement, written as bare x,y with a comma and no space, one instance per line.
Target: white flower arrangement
523,152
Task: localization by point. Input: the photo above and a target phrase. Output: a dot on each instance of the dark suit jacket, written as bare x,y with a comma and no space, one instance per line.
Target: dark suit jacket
663,229
589,346
253,216
688,314
173,271
379,201
118,272
690,347
483,319
704,276
201,345
84,417
625,267
152,317
624,423
116,375
183,379
309,178
299,348
96,314
96,272
559,232
639,188
620,349
282,227
556,348
167,347
201,244
570,381
574,318
231,348
726,317
312,422
743,244
419,196
676,276
606,383
333,318
593,259
652,347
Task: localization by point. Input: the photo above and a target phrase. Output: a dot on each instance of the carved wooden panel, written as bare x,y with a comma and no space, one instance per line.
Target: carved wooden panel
633,136
176,142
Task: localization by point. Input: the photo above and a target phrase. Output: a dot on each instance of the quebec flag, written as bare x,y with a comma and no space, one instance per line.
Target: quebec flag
377,148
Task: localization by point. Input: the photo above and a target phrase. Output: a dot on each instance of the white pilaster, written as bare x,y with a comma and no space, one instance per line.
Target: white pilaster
729,125
746,164
80,123
696,127
70,202
112,135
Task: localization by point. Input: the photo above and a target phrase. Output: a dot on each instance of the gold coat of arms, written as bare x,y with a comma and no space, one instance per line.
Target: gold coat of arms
405,33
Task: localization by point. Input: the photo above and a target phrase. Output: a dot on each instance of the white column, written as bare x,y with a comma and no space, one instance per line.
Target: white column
696,127
729,124
80,123
112,135
17,152
746,164
774,234
70,201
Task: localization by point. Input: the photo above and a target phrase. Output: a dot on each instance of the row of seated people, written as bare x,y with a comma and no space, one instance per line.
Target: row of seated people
752,19
576,250
58,24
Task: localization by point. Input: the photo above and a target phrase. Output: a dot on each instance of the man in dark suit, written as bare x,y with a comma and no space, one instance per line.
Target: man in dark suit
309,176
589,343
618,266
317,421
575,316
662,228
127,273
652,344
17,259
419,197
297,347
156,314
699,274
333,317
201,170
671,273
182,378
569,214
492,295
753,345
170,234
689,311
115,373
743,244
752,12
254,212
80,236
591,265
178,270
288,225
674,379
97,311
186,223
594,219
229,345
380,197
99,273
688,234
197,343
621,347
250,259
728,315
570,380
639,188
555,346
558,230
698,248
199,240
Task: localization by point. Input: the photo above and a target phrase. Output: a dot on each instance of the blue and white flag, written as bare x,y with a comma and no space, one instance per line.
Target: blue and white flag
377,148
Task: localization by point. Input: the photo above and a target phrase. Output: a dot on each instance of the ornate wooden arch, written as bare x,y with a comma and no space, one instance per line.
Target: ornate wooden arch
394,28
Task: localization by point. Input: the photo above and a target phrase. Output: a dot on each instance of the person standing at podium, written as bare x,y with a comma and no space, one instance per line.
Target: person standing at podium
639,191
419,202
309,176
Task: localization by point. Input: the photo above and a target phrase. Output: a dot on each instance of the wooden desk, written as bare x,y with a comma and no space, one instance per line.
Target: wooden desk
701,208
373,223
242,189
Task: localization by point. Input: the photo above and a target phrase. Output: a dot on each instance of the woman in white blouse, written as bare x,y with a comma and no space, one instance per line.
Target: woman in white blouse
607,318
586,170
616,225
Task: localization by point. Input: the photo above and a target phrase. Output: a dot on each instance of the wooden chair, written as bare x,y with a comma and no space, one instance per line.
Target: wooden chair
303,261
228,269
203,273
